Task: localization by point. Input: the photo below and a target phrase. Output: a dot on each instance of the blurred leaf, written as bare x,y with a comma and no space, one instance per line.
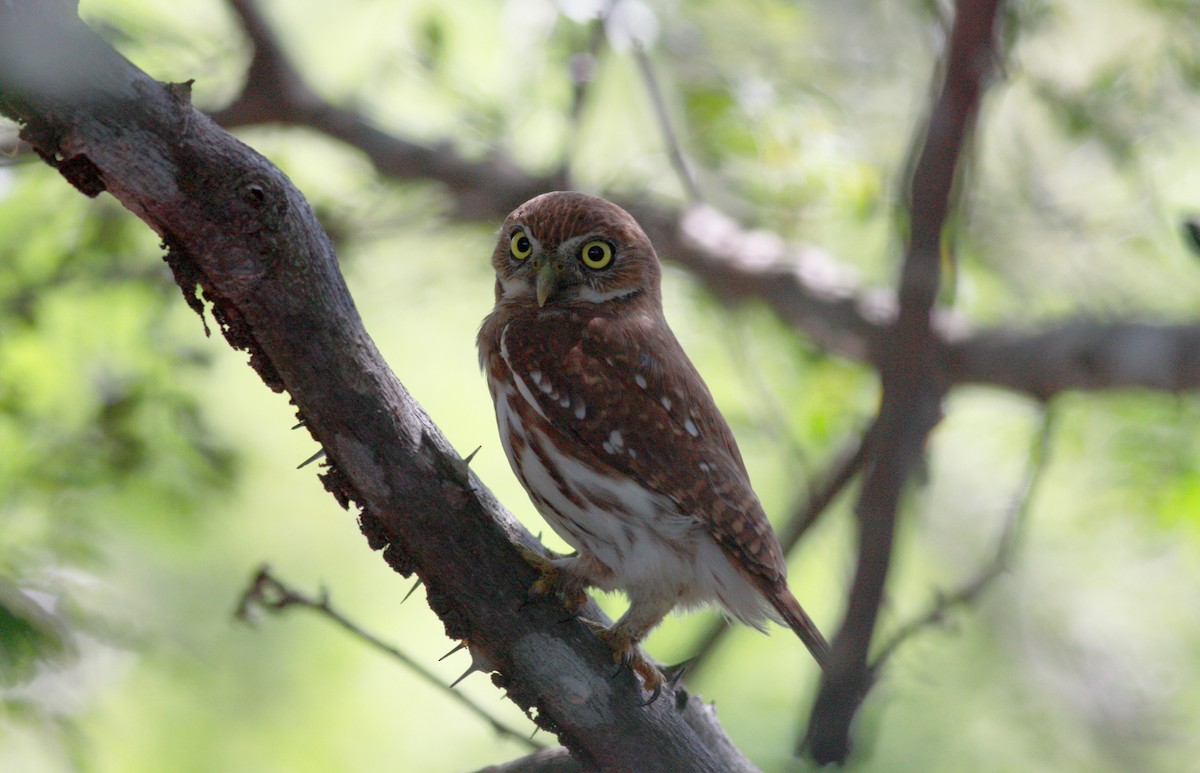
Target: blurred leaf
29,636
1191,233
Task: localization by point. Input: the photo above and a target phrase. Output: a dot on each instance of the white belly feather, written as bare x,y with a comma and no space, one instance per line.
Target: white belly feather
649,547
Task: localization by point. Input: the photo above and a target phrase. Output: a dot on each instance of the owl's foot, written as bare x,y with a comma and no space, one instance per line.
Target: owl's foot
627,655
554,580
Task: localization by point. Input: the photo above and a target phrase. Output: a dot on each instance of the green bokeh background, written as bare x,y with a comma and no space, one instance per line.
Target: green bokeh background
145,472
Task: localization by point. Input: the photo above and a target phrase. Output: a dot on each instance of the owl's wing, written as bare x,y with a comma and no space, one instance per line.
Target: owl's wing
627,397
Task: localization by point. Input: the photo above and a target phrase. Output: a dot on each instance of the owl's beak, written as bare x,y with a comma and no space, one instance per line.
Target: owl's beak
547,281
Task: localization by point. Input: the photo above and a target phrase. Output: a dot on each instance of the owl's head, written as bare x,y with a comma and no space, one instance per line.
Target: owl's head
570,248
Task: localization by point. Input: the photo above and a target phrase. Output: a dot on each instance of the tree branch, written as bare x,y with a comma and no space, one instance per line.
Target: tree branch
547,761
267,592
236,227
913,384
1080,355
275,93
803,285
679,163
1006,547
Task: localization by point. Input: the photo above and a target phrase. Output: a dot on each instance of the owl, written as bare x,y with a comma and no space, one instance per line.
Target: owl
614,435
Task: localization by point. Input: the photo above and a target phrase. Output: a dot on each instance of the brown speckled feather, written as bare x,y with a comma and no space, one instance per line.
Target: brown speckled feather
595,377
702,472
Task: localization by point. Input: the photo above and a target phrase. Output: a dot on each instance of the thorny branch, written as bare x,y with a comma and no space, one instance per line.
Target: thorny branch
267,592
919,352
239,231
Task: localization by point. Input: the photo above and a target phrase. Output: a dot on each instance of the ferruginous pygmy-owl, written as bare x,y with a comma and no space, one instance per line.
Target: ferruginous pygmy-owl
614,434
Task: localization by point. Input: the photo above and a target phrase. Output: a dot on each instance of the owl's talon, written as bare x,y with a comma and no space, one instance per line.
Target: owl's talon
553,580
653,696
537,560
627,655
574,614
652,678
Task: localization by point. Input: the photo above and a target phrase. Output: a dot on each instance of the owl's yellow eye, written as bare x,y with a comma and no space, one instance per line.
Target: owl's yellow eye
519,246
597,254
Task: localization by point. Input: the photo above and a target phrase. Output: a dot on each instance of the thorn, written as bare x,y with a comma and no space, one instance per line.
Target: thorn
300,424
478,663
460,646
181,93
470,670
462,467
675,673
311,459
412,590
535,732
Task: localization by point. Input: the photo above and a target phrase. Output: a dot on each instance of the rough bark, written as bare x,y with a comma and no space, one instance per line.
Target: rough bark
235,227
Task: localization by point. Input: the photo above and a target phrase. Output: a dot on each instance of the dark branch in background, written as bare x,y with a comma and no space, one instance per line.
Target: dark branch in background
913,383
1006,546
235,227
1080,355
267,592
276,93
803,285
848,464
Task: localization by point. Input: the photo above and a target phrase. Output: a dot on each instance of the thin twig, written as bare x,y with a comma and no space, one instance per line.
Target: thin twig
674,151
270,593
1006,546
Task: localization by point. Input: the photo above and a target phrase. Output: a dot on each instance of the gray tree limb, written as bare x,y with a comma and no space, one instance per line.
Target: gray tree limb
235,227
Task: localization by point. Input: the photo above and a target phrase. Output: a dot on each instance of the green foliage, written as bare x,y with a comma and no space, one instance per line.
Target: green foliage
99,427
129,522
28,636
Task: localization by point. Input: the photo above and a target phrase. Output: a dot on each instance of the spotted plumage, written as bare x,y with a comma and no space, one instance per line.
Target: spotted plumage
613,432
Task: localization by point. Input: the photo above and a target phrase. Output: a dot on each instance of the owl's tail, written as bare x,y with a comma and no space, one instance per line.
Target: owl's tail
798,620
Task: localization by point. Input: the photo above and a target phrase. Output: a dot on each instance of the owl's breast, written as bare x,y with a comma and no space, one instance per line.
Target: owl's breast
593,506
